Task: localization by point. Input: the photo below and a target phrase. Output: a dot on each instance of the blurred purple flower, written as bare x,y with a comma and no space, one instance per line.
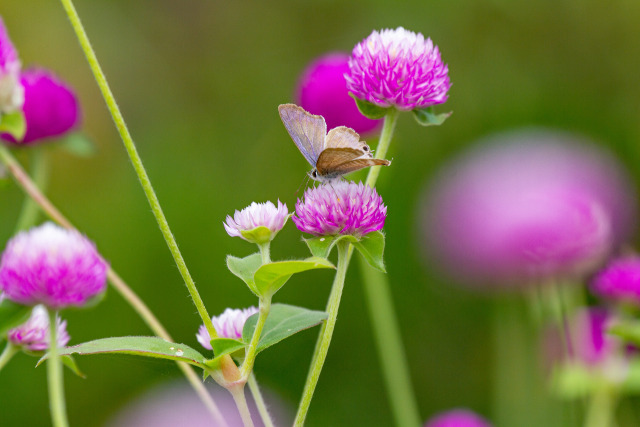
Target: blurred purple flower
228,325
33,335
11,93
257,215
398,68
342,207
619,280
52,266
589,339
457,418
50,106
322,90
547,206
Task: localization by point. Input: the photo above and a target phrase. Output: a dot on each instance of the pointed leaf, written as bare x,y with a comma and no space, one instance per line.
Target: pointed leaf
222,346
370,110
283,321
270,277
140,346
371,247
79,145
70,363
321,246
245,268
14,124
12,315
426,116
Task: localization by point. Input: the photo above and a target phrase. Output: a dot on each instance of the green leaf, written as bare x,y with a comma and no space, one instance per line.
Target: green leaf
70,363
13,124
371,247
283,321
322,246
222,346
426,117
12,315
79,145
272,276
245,268
370,110
630,331
140,346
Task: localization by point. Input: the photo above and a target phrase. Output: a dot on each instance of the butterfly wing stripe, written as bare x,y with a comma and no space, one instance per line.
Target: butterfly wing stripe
357,164
307,130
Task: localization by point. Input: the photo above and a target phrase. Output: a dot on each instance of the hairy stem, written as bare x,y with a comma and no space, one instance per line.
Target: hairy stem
55,377
247,365
257,396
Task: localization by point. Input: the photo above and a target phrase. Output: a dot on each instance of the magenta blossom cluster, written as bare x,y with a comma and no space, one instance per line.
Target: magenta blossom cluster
33,335
228,325
322,90
342,207
619,280
398,68
257,215
457,418
50,106
11,93
53,266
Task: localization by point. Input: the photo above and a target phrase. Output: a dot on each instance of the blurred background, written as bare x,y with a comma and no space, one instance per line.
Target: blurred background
199,83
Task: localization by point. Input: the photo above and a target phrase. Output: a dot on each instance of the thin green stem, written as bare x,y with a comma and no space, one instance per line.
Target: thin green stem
9,351
326,332
601,408
386,134
55,377
247,365
241,402
31,189
30,209
257,396
137,163
265,252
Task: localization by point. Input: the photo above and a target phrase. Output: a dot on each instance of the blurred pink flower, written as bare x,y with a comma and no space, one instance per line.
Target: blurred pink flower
33,335
619,280
457,418
11,93
228,325
322,90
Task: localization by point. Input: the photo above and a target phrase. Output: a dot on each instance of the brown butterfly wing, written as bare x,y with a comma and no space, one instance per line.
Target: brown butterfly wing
334,162
344,137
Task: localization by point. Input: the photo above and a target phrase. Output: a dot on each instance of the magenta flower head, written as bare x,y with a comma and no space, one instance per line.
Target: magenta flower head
33,335
528,207
11,93
228,325
258,222
457,418
52,266
619,280
398,68
342,207
322,90
50,106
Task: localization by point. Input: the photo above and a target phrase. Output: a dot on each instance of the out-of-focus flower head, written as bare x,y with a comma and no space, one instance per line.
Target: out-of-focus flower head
457,418
528,207
11,93
257,215
33,335
52,266
50,107
228,325
619,280
343,207
322,90
398,68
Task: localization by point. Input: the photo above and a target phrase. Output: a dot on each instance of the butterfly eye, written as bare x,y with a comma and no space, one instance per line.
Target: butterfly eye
314,174
365,148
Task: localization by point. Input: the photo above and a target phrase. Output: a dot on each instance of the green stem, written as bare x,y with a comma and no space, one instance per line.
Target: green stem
55,377
247,365
257,396
29,187
241,402
137,163
326,332
265,252
9,351
386,134
30,209
601,407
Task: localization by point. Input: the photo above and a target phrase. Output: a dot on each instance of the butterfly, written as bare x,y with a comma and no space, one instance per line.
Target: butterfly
332,154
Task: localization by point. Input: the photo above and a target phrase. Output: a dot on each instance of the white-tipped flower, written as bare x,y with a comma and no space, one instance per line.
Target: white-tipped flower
228,325
33,335
258,222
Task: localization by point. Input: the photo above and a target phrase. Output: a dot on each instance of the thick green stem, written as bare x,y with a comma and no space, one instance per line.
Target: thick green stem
55,377
137,163
247,365
9,351
257,396
30,209
241,403
326,332
601,408
265,252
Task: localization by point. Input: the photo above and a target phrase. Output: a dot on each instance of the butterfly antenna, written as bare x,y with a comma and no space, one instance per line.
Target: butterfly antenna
304,183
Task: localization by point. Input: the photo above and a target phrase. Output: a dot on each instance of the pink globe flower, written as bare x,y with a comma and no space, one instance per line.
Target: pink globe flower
228,325
546,207
457,418
52,266
398,68
257,215
619,280
11,93
342,207
33,335
50,106
322,90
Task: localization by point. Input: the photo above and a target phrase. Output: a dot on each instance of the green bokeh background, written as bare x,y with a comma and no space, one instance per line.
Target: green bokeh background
199,82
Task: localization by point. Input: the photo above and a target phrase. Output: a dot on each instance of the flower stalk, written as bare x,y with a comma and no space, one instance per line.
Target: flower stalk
257,397
55,377
249,360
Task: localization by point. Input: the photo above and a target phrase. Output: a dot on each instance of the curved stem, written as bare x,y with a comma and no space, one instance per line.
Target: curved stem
55,377
127,293
247,365
9,351
137,163
241,403
326,332
257,396
29,214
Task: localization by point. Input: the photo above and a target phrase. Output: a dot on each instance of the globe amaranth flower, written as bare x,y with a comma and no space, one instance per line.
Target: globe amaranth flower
50,106
322,90
619,280
528,207
341,207
11,92
33,335
228,325
398,68
254,216
52,266
457,418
